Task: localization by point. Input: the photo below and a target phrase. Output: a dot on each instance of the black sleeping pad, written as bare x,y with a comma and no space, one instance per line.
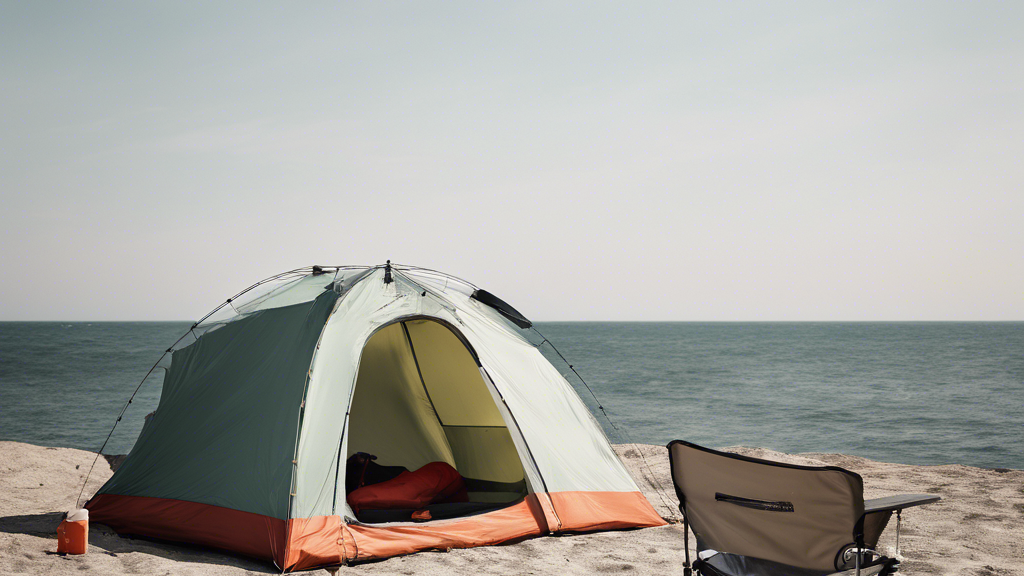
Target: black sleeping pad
437,511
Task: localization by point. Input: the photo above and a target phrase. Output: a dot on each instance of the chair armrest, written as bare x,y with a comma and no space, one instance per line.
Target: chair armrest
898,502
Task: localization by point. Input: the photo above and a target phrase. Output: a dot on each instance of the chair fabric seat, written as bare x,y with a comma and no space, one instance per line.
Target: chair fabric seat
723,564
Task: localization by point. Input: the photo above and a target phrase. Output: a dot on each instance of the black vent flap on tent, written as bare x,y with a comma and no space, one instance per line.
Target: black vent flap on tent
501,306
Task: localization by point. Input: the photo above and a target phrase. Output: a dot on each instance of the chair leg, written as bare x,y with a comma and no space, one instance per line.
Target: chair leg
686,546
899,519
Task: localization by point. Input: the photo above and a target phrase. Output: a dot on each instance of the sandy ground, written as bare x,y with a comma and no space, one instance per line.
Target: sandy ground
978,528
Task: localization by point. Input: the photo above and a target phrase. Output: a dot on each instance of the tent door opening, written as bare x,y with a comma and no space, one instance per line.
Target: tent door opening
419,399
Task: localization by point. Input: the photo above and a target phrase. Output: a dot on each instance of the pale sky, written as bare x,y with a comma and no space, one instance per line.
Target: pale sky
633,161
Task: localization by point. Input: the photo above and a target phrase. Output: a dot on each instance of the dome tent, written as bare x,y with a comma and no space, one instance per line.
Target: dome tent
267,397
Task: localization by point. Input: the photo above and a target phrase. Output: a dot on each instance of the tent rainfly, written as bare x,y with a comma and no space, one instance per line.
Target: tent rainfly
269,396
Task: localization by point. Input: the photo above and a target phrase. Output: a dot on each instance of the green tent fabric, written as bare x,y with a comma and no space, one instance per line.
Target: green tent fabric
225,430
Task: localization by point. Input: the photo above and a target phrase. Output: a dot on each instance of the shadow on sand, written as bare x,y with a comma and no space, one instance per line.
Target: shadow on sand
103,540
43,525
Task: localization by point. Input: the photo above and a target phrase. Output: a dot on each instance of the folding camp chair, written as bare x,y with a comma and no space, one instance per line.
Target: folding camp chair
755,517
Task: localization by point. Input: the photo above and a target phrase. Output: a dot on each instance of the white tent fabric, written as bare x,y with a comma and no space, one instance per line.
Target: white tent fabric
561,446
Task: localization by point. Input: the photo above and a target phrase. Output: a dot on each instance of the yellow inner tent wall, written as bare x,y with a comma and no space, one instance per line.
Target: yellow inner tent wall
420,398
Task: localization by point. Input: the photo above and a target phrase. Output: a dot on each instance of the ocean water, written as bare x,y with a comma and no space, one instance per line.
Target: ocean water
917,393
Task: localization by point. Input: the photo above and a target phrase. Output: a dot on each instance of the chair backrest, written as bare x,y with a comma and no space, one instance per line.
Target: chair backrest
798,515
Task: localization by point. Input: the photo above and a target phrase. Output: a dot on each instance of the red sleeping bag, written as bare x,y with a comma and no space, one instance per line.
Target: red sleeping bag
433,483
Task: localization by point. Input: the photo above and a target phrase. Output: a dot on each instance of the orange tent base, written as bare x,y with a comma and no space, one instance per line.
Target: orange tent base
305,543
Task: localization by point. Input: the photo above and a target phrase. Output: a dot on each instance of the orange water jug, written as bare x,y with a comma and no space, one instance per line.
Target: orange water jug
73,533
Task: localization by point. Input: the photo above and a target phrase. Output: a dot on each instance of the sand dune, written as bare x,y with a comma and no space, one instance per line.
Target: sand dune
977,529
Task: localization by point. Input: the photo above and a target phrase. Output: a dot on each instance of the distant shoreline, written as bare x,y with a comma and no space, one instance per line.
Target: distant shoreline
114,460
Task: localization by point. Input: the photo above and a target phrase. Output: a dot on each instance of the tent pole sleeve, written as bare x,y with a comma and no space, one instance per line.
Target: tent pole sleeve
529,452
416,361
302,411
